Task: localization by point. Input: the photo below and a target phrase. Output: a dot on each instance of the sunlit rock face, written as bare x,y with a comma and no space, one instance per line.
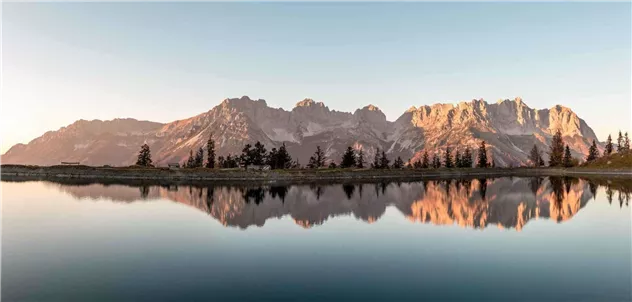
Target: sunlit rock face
505,202
509,127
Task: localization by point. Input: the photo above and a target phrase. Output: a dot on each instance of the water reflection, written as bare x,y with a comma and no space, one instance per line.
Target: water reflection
472,203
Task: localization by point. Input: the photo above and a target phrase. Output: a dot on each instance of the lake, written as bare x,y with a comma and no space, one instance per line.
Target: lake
503,239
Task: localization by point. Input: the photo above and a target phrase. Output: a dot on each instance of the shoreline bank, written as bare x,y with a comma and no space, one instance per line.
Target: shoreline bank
24,173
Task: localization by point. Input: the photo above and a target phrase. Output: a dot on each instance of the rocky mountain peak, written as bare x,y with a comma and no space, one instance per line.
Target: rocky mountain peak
244,101
308,103
371,107
509,127
373,117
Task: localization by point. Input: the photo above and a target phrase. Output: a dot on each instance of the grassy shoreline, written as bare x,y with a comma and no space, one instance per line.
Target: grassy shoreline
22,172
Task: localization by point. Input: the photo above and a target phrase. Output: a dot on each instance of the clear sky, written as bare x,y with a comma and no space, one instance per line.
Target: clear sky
168,61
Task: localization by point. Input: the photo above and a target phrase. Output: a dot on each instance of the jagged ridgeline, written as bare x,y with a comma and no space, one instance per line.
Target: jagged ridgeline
510,128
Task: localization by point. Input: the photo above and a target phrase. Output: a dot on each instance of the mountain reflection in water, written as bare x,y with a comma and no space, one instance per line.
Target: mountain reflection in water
476,203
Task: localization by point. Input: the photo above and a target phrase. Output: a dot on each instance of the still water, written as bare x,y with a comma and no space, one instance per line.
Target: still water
504,239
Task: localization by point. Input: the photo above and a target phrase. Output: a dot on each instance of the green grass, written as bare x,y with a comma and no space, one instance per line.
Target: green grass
614,161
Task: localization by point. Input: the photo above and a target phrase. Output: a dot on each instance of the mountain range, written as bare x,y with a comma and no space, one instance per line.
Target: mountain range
509,127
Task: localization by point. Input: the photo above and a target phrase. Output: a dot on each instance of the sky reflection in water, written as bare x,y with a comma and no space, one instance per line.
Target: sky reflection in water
546,239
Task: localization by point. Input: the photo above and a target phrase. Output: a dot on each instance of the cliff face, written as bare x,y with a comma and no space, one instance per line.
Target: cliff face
509,127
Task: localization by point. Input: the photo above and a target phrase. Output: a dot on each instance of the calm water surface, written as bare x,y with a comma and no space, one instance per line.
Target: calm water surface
505,239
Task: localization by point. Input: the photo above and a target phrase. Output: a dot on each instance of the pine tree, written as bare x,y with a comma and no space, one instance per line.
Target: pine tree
466,159
567,160
436,162
144,156
482,156
348,158
272,158
609,147
320,157
221,162
448,157
425,161
626,143
556,150
210,155
458,162
384,161
593,152
317,160
258,154
398,163
284,160
376,159
620,142
416,164
199,158
191,161
246,156
535,156
360,160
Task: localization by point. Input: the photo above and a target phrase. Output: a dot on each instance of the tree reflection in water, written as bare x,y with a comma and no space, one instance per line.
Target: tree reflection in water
505,202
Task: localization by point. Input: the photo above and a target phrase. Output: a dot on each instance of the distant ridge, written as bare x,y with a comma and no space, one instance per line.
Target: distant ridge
510,128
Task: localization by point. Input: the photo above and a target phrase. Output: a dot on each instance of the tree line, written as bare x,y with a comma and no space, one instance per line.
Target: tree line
280,158
257,154
560,153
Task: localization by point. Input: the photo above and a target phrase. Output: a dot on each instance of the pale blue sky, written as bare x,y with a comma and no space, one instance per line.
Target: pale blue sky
168,61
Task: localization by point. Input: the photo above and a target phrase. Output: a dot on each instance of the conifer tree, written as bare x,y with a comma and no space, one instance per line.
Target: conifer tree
593,152
199,158
567,159
626,143
246,156
376,159
317,160
258,155
144,156
620,142
284,160
272,158
191,161
384,161
609,147
458,162
466,159
535,156
436,162
425,160
348,158
398,163
556,150
210,155
417,164
482,156
448,157
221,162
360,160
